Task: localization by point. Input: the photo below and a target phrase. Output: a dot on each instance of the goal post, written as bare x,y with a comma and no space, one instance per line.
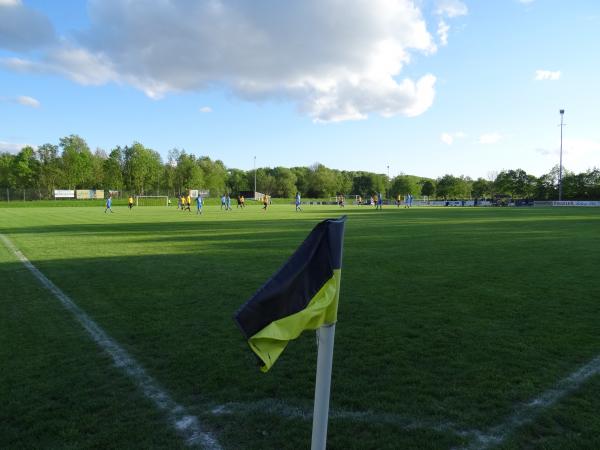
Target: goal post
151,200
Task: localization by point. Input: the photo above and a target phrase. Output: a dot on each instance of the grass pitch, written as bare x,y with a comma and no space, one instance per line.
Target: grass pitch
449,319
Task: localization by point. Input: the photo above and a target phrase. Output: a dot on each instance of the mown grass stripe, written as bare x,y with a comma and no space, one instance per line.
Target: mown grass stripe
186,425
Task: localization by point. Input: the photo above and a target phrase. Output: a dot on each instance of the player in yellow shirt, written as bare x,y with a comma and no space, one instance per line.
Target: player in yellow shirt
130,202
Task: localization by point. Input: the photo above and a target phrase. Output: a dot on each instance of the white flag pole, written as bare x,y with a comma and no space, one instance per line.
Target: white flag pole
325,337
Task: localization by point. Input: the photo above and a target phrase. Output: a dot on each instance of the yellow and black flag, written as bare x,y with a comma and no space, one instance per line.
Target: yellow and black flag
302,295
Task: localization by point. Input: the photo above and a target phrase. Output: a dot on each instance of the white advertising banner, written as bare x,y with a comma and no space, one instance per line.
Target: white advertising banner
64,193
576,203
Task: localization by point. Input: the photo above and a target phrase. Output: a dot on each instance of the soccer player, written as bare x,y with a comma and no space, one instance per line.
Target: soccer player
298,202
179,202
265,201
188,203
398,200
223,200
108,204
227,203
379,201
243,201
130,202
198,205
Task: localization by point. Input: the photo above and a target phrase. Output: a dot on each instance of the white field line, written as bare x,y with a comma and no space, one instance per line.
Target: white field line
186,425
527,412
480,439
281,409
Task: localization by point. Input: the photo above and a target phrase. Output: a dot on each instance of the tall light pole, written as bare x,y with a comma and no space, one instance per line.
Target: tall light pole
562,113
388,182
255,176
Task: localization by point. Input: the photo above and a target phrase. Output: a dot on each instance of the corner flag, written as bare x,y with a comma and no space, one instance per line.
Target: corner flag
302,295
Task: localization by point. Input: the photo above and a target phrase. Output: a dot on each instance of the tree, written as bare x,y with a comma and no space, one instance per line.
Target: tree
142,167
343,182
402,185
188,173
546,187
322,181
237,180
113,170
97,172
367,183
25,168
362,184
265,182
302,178
450,186
285,182
214,175
6,172
481,188
427,188
76,161
590,185
516,183
50,171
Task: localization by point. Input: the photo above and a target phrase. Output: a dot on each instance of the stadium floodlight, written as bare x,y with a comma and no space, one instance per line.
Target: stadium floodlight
255,175
560,186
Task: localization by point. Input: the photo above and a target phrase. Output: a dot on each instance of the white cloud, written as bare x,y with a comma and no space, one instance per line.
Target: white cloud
335,60
448,9
547,75
525,2
451,8
576,148
10,2
12,147
579,154
448,138
28,101
205,109
490,138
442,32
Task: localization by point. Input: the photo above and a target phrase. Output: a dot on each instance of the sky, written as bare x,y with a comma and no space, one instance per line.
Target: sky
423,87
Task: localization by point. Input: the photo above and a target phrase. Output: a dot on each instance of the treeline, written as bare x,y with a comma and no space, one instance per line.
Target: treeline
137,169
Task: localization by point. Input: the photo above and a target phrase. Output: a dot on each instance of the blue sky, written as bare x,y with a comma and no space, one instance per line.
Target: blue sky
426,87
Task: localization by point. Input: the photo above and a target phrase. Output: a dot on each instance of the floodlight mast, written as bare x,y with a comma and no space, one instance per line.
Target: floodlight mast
387,190
560,186
255,175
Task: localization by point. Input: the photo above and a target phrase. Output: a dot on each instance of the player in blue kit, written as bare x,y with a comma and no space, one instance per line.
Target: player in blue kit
108,204
199,205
